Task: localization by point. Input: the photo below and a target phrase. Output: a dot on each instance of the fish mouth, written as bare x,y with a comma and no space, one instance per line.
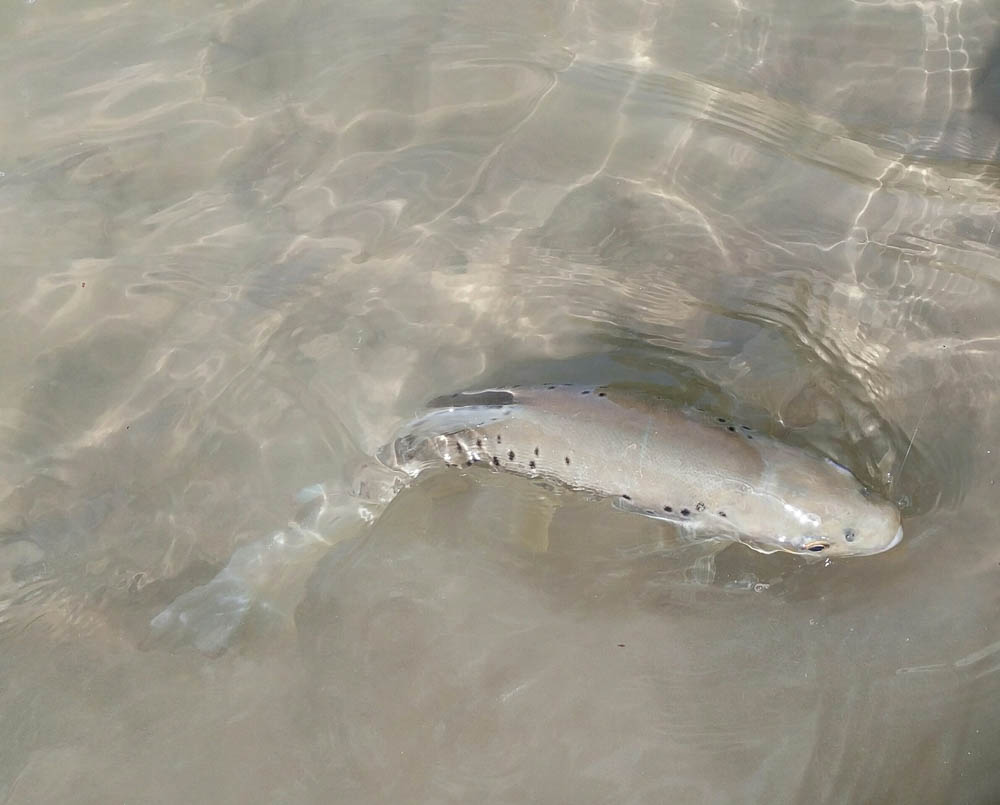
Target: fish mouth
895,540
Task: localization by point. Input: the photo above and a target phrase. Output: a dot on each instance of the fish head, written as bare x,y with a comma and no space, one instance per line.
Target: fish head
823,510
871,528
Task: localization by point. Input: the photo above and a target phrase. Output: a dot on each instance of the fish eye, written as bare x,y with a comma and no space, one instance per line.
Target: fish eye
816,547
850,535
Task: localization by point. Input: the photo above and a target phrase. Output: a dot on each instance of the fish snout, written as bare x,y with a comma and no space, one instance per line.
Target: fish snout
895,541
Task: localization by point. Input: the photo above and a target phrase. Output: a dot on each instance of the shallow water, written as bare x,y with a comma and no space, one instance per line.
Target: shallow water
243,243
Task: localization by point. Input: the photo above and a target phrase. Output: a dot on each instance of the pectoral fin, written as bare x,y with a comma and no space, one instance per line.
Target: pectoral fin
533,522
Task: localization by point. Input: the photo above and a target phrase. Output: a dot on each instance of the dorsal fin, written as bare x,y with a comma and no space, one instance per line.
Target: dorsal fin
487,397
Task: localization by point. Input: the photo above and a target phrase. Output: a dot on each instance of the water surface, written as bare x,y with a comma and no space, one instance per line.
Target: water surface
243,242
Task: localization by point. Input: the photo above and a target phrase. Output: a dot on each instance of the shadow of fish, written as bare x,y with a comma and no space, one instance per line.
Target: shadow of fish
709,476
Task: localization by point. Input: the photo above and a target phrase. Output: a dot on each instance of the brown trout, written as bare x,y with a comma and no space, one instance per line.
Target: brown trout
711,477
708,475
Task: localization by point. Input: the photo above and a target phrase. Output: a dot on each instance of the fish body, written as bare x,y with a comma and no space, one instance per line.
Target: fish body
709,475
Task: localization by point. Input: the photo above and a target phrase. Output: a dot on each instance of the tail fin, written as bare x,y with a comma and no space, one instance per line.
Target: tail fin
265,577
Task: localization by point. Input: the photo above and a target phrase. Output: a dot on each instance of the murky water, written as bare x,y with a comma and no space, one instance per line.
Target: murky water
243,242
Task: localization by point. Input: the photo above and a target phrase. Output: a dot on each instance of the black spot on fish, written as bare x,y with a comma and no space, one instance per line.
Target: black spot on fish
601,394
668,508
721,419
745,427
536,451
479,442
585,392
531,464
551,387
731,429
626,497
722,514
700,506
498,439
510,454
685,512
567,459
496,461
749,436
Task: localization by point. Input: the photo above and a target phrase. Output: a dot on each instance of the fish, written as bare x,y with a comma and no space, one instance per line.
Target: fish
707,475
711,477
